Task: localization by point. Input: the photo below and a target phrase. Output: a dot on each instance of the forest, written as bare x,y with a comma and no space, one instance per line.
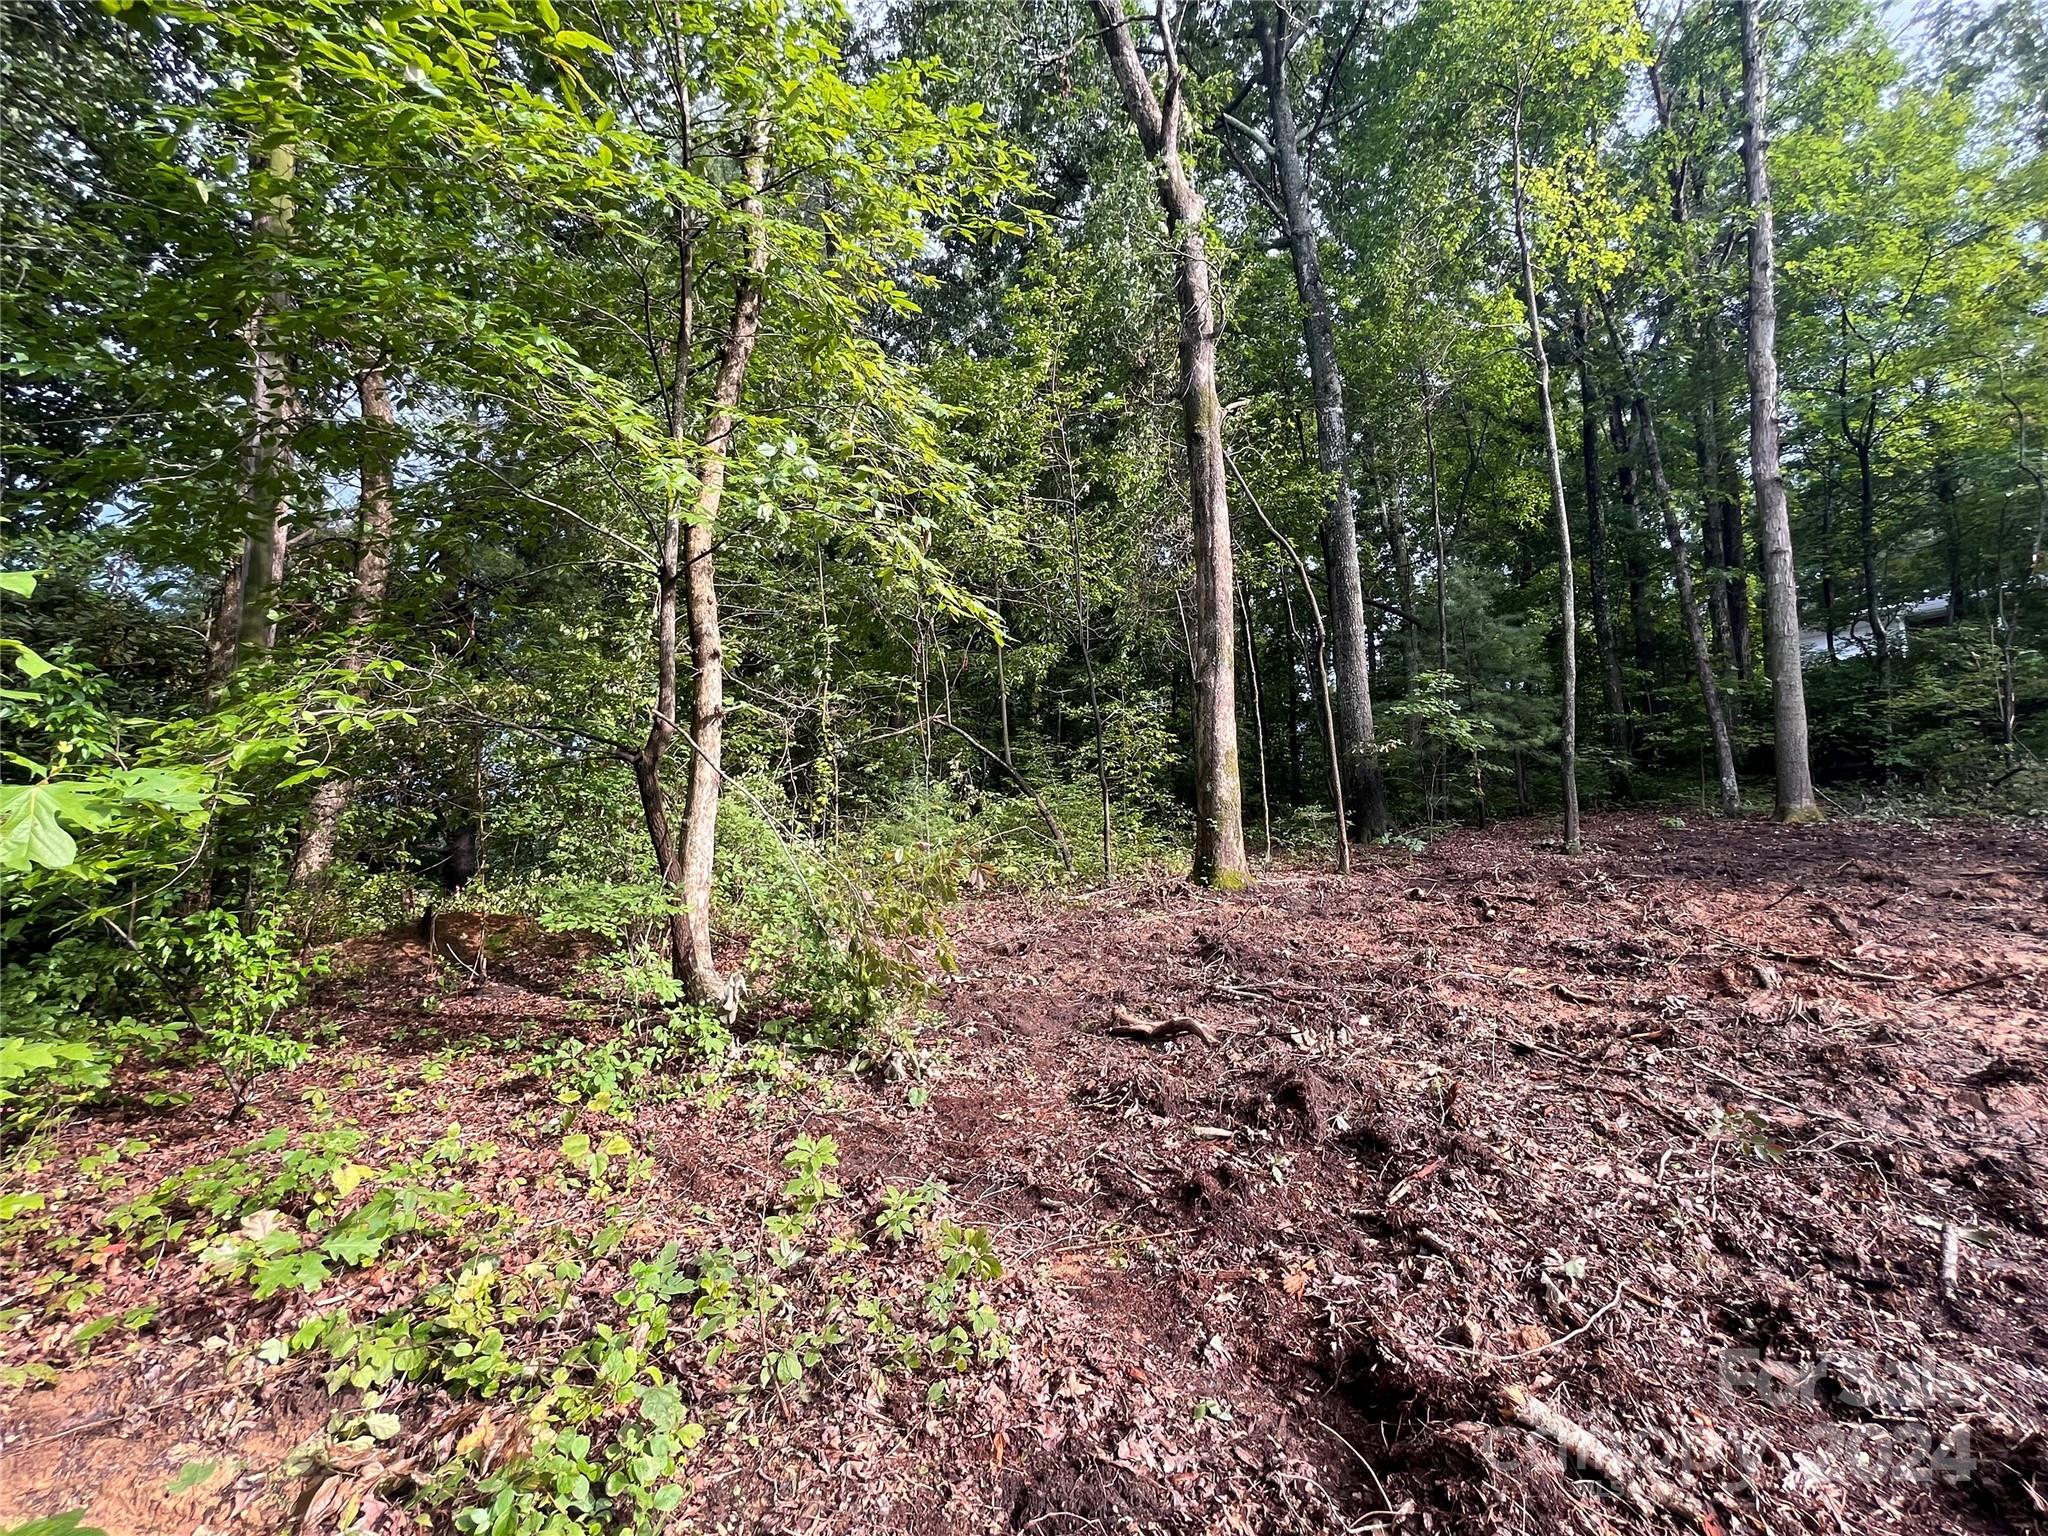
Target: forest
848,766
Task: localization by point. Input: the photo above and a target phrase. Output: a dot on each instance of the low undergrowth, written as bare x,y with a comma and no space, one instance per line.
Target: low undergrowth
514,1340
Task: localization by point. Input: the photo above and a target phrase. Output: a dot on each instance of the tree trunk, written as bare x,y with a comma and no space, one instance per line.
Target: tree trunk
1952,530
224,629
1251,662
1082,628
1720,552
376,514
1642,629
1727,509
1436,523
1681,571
268,462
1568,725
1322,670
1220,858
1364,791
1596,552
1866,527
699,970
1781,580
1735,560
2012,595
1707,450
1827,536
1689,615
1404,578
1003,695
1295,653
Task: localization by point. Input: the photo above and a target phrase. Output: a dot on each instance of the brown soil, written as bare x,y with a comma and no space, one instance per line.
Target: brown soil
1666,1139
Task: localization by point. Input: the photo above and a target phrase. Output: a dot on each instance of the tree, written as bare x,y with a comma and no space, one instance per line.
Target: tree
1782,650
1283,188
1160,119
376,514
1568,629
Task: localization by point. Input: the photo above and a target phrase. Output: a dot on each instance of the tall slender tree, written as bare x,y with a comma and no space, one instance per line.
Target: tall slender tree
1284,189
376,516
269,457
1596,549
1567,599
1782,651
1161,118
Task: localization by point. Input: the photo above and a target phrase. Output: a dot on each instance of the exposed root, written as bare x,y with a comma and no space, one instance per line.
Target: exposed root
1645,1489
1130,1026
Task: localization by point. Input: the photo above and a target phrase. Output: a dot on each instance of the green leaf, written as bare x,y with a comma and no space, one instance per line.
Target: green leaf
20,584
192,1475
29,830
352,1248
292,1271
66,1524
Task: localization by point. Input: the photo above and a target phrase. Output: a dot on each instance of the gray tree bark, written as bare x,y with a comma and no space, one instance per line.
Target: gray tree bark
1643,635
1220,858
707,647
376,513
1681,570
1568,614
1364,789
1596,549
269,458
1795,796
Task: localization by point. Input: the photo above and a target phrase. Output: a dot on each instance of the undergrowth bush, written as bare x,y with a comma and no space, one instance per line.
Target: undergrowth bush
233,982
584,1363
111,831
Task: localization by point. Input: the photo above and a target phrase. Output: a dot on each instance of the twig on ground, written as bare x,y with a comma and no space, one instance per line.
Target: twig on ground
1850,970
1995,979
1621,1288
1570,996
1111,1242
1386,1503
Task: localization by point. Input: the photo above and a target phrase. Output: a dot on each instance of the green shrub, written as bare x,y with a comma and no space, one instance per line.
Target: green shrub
232,984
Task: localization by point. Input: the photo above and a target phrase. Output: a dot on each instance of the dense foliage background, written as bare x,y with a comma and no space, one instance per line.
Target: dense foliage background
363,396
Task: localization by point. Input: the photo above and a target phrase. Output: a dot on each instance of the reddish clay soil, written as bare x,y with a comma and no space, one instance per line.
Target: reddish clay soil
1696,1182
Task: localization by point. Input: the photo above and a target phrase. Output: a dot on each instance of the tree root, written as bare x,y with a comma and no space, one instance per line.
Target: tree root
1645,1489
1130,1026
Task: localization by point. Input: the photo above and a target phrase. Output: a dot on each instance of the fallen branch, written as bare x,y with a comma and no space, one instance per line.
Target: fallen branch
1130,1026
1995,979
1570,996
1850,970
1808,1111
1645,1489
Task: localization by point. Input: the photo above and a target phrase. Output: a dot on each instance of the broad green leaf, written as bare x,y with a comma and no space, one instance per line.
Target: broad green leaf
29,830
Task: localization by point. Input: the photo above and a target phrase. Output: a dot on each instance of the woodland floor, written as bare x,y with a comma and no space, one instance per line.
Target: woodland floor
1654,1151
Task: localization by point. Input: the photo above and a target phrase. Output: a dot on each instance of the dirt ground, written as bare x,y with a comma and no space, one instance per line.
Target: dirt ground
1696,1182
